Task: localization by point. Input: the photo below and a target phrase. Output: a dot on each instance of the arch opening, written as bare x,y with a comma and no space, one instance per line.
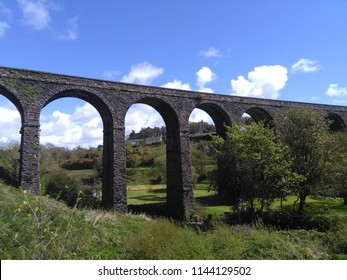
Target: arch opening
201,128
73,149
258,115
145,132
10,141
219,117
178,193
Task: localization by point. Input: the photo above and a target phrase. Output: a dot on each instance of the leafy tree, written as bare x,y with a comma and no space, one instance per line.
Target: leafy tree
252,165
306,134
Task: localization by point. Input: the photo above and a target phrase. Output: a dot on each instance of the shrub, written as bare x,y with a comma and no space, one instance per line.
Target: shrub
60,186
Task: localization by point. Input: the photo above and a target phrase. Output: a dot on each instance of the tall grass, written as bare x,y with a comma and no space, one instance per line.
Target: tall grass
165,240
34,227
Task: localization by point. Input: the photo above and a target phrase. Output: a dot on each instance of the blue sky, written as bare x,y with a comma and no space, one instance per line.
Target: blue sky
278,49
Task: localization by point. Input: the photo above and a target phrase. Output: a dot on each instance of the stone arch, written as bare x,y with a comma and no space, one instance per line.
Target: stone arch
218,115
106,115
13,98
259,114
87,95
166,111
337,123
178,183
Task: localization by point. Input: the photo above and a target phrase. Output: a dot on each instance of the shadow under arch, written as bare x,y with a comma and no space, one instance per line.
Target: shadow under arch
260,115
108,147
218,115
337,123
175,205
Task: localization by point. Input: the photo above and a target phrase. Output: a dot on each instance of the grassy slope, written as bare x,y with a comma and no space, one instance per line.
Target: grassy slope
32,228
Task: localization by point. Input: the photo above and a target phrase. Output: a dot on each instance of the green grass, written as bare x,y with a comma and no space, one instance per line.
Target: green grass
147,196
317,205
208,200
33,227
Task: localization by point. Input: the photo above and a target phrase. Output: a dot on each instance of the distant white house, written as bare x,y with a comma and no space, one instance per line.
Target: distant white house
153,140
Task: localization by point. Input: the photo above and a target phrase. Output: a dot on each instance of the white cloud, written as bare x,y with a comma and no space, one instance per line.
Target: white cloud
335,90
176,84
141,115
199,115
8,115
3,28
35,13
204,76
83,127
206,89
10,122
142,73
305,65
211,52
263,82
71,30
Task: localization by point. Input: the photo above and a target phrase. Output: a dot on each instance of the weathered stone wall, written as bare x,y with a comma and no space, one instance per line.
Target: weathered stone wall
30,91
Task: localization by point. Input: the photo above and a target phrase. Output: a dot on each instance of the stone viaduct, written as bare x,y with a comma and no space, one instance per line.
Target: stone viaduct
30,91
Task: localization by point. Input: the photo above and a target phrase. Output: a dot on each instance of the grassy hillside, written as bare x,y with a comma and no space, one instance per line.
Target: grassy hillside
33,227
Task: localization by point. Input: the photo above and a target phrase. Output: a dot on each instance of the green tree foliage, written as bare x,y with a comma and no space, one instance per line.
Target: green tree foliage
139,156
306,134
9,164
63,187
252,164
201,127
50,156
82,158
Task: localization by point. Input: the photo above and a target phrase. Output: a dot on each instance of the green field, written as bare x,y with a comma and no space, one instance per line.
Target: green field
148,194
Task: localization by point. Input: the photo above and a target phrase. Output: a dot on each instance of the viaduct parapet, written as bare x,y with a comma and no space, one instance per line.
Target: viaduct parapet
31,91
